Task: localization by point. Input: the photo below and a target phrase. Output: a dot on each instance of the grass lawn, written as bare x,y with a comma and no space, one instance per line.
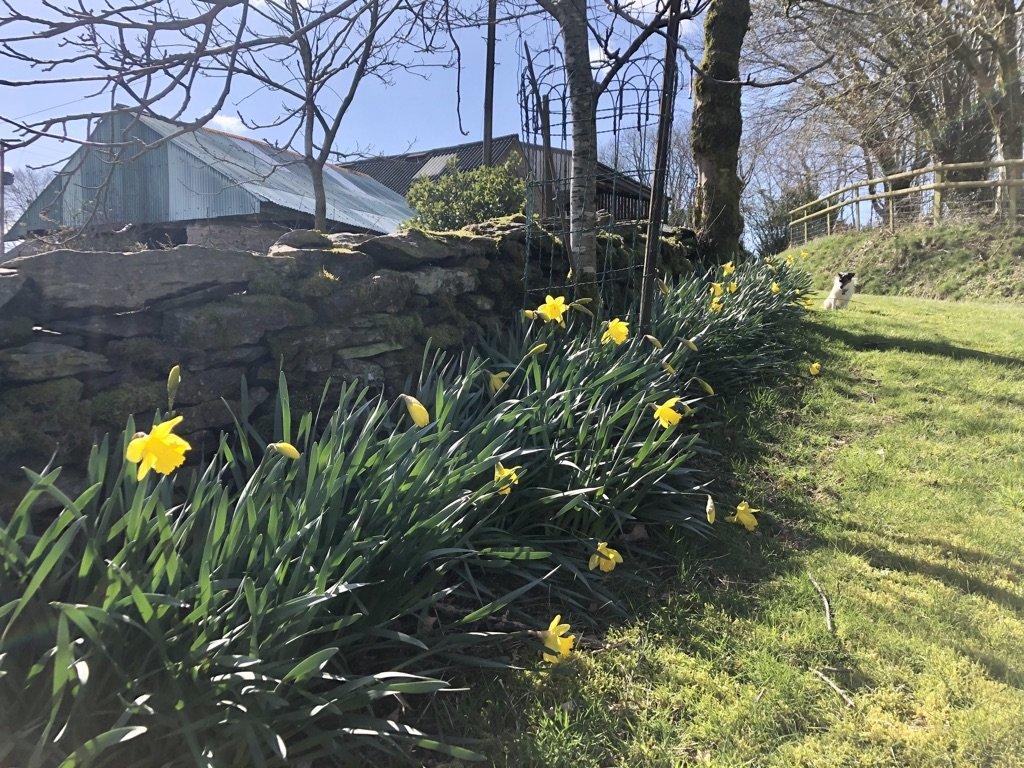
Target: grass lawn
896,481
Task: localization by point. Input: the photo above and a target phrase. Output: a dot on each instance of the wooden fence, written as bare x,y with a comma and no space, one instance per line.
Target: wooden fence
825,215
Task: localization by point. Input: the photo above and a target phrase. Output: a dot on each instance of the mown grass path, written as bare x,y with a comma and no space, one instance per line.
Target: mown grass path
897,484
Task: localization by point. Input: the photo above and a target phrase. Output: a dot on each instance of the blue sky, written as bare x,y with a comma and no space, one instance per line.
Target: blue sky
417,110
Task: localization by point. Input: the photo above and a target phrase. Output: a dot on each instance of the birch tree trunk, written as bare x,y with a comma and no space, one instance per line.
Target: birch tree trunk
717,128
572,18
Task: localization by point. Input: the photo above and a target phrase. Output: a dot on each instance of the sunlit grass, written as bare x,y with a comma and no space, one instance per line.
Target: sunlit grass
898,485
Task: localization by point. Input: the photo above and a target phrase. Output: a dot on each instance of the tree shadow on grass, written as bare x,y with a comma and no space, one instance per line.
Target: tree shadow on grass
884,342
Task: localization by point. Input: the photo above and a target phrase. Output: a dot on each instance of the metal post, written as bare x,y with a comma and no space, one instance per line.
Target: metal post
492,13
3,210
937,197
661,160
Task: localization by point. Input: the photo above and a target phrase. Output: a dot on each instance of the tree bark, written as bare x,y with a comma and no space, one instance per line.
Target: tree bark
316,172
717,128
572,18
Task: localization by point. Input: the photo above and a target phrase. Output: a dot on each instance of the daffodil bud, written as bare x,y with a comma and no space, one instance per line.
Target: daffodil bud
536,349
704,385
417,412
286,449
173,382
654,340
709,510
691,344
530,314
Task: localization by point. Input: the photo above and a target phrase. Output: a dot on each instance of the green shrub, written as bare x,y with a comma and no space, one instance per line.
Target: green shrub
457,198
258,609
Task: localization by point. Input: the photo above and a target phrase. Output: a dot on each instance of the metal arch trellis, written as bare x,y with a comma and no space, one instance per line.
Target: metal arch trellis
635,81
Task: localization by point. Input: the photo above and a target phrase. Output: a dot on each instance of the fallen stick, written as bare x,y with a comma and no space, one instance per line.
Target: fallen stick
835,687
825,603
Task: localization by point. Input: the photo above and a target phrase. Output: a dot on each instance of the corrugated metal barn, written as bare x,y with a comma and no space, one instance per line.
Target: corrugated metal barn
197,179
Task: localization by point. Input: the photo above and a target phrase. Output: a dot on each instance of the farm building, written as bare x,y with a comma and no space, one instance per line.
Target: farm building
205,187
619,194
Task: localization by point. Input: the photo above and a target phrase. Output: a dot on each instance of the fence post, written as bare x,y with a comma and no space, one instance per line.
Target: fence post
856,208
937,196
828,223
890,203
1011,175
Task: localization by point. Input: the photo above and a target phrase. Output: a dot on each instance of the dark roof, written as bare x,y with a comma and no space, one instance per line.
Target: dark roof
398,172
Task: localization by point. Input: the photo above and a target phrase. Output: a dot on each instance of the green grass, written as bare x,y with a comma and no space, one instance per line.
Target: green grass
958,260
896,480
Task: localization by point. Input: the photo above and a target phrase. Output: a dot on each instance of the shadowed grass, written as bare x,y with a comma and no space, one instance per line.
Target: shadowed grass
898,485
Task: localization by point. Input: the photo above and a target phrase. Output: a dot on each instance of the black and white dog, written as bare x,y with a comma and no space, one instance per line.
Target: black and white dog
842,291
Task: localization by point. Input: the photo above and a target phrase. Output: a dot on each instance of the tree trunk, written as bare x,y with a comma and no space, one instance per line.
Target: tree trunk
717,128
572,18
316,172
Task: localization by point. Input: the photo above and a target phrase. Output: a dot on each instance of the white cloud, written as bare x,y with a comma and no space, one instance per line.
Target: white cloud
230,123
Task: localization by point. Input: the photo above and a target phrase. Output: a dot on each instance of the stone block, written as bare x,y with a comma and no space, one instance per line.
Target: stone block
434,281
121,326
11,282
43,360
236,321
76,282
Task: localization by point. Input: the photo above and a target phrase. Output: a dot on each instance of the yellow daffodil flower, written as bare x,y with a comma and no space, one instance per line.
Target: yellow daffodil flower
556,639
506,477
804,254
776,288
605,558
709,510
814,368
717,290
744,516
173,382
666,414
728,268
286,449
789,260
420,415
553,309
616,333
733,287
716,305
496,381
160,449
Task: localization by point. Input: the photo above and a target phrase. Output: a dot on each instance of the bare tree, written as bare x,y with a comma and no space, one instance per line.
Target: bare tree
28,184
318,69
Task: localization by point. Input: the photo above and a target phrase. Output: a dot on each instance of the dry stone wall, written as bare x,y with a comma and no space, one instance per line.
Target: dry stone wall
87,338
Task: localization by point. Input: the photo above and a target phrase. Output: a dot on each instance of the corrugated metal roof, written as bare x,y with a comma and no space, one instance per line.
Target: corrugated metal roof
281,177
197,176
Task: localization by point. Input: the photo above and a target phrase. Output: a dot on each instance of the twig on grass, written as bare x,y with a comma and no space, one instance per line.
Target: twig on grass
825,603
835,687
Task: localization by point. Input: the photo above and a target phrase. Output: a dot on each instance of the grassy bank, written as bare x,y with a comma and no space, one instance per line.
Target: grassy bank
896,485
958,260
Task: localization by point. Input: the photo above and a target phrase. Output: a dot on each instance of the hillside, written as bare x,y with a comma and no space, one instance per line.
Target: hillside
957,260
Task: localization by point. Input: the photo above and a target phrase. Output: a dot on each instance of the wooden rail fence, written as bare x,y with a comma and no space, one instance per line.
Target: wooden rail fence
825,214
